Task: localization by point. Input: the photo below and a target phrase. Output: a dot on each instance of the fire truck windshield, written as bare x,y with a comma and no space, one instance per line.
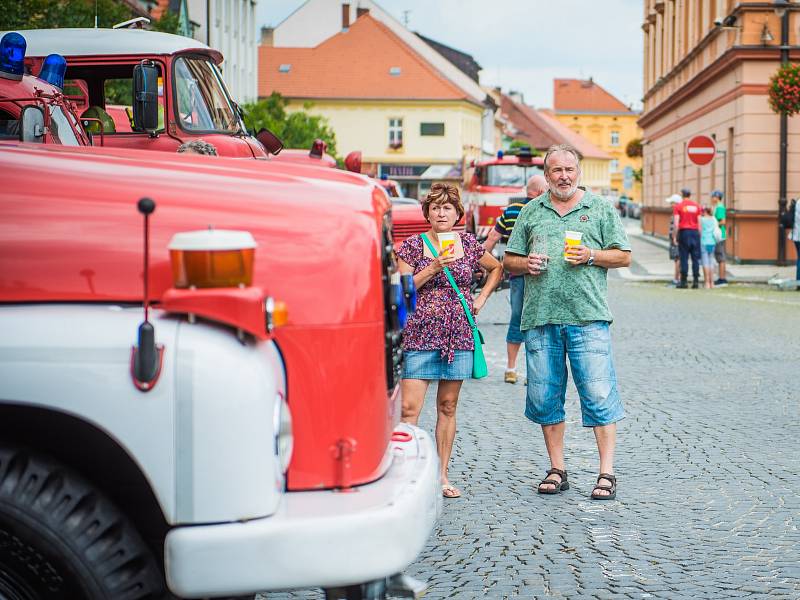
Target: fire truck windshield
201,99
508,175
61,128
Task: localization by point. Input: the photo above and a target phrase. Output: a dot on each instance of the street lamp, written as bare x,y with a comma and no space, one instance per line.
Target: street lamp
780,7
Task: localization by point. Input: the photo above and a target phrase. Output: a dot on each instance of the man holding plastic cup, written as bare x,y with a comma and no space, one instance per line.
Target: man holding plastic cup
565,313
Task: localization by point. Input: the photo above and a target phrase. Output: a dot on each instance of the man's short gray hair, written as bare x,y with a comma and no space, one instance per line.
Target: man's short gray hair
198,146
562,148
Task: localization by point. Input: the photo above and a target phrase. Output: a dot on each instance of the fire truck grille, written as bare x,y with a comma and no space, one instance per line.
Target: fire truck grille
393,334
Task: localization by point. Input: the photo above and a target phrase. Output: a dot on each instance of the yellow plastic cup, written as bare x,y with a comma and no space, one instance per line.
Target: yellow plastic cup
447,242
572,238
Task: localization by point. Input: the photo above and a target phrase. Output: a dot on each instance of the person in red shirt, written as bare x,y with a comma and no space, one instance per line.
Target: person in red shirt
686,217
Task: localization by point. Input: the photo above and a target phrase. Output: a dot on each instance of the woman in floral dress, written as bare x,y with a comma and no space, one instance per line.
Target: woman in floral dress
437,341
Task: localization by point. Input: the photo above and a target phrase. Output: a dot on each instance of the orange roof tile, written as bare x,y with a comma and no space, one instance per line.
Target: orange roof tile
542,130
354,63
579,95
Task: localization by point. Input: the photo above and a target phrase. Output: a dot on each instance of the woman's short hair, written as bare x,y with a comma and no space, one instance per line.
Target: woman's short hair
443,193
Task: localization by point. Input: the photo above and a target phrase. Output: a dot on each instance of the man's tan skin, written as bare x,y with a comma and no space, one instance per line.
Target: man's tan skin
537,185
562,174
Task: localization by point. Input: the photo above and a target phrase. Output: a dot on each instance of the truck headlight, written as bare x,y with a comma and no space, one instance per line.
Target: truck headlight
282,428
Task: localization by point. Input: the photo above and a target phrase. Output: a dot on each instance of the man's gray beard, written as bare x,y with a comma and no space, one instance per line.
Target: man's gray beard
563,196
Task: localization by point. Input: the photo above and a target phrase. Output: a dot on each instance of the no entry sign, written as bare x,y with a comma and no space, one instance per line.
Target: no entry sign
701,150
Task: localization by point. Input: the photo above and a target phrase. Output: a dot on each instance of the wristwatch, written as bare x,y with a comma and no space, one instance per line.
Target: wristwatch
590,262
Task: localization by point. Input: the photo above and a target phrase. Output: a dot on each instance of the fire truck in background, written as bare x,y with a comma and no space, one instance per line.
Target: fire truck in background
494,182
33,109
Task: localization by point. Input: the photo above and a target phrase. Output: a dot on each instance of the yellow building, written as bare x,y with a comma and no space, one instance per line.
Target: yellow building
598,116
380,97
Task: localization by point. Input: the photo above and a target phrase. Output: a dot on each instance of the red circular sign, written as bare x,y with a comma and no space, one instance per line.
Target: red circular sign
701,150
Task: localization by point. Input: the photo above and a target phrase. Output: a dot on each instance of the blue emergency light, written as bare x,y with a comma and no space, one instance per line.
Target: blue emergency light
499,154
12,55
53,69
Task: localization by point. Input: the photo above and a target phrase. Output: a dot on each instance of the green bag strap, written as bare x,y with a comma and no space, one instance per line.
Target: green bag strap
452,282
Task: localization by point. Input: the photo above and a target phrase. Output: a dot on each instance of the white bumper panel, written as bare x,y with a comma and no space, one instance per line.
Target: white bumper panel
317,539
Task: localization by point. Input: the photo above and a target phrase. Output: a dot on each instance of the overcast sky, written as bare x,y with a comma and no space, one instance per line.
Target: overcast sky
524,44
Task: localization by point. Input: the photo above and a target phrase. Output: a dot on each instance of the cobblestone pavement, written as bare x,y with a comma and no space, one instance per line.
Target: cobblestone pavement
708,504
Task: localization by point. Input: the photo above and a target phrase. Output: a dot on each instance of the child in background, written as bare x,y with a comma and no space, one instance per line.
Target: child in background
708,242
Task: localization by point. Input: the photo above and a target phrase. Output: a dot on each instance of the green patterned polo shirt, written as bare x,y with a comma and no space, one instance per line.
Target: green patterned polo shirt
567,294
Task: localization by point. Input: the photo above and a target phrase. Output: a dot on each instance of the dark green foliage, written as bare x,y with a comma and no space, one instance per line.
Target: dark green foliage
296,129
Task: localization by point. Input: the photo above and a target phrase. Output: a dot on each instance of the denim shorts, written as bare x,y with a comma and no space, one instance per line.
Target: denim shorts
589,350
719,251
516,295
429,364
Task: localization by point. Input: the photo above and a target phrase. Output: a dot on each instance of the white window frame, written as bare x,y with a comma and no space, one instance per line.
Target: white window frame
613,165
615,138
396,132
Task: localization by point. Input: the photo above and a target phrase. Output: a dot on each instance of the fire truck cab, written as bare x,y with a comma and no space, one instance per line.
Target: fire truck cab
230,446
193,101
494,182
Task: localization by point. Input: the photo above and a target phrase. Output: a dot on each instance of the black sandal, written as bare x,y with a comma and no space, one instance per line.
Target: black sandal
559,485
611,489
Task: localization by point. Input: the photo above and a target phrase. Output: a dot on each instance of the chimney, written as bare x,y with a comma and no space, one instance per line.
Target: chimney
361,11
267,36
345,16
516,97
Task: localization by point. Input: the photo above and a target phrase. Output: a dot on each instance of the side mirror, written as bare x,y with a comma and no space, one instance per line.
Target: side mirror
270,141
31,125
352,162
145,97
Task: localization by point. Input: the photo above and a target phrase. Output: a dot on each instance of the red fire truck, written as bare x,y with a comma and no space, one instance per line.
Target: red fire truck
493,182
134,461
32,109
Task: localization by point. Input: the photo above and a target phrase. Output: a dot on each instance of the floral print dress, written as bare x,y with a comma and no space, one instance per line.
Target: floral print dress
439,323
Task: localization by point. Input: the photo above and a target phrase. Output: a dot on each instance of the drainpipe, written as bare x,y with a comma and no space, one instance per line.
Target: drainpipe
784,146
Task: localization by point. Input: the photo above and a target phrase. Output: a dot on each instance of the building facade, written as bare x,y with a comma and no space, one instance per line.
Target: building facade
591,111
381,98
541,129
230,27
707,66
315,21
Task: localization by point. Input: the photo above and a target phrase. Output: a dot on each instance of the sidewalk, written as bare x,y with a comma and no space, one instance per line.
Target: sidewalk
651,262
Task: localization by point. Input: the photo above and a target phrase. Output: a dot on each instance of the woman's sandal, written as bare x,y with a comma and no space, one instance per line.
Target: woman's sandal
450,491
611,489
558,486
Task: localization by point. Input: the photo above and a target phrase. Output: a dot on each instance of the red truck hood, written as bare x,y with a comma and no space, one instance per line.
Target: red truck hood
70,231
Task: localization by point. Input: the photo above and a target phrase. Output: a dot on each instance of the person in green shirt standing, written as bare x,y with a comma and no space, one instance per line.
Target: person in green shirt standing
719,250
565,313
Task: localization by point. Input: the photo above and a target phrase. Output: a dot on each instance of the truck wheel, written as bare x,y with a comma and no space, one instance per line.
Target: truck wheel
61,538
374,590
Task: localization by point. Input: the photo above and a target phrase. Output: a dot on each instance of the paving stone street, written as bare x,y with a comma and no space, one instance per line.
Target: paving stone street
708,504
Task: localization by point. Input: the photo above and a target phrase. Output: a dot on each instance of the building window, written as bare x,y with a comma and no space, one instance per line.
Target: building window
615,138
431,128
613,166
395,133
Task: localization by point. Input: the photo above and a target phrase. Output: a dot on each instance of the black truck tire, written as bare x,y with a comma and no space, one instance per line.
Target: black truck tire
63,539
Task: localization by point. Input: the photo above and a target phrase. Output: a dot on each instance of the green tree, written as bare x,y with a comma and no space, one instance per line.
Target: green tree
48,14
297,129
520,144
52,14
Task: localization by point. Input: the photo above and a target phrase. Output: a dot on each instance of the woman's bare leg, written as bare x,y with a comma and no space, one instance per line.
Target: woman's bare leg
413,392
446,403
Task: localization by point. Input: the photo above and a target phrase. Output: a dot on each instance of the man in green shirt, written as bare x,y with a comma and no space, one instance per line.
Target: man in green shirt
719,250
565,313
